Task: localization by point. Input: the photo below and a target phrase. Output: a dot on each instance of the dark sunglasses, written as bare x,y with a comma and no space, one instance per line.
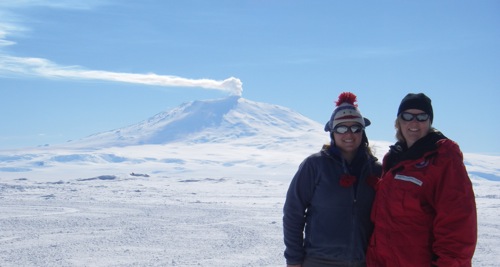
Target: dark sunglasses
342,129
406,116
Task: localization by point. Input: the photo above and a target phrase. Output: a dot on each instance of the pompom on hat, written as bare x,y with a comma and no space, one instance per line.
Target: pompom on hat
417,101
346,111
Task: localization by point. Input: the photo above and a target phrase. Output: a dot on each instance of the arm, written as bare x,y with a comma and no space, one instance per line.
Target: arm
455,224
298,198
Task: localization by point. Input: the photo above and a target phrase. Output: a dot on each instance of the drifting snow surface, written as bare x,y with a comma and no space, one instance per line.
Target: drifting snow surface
179,191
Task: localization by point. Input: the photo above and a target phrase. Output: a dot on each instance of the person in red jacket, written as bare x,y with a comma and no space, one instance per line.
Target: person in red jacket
424,211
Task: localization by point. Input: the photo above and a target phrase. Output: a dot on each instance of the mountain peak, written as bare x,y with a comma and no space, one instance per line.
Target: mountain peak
217,120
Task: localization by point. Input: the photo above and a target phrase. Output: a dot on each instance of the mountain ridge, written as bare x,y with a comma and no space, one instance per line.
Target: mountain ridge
212,121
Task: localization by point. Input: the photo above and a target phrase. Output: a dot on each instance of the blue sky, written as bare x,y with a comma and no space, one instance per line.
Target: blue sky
70,69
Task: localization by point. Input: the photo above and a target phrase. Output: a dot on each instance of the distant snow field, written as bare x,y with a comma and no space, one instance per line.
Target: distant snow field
155,221
210,195
168,212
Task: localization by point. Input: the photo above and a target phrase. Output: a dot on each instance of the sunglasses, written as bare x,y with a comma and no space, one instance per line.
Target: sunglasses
406,116
342,129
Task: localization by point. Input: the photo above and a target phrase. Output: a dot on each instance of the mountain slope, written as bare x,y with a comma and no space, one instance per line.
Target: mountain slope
231,137
211,121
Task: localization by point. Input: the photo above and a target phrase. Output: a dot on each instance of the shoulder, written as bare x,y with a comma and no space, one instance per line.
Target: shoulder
315,160
315,156
377,165
449,149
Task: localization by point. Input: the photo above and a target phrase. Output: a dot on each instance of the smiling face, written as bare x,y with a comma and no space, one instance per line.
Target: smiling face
413,130
348,142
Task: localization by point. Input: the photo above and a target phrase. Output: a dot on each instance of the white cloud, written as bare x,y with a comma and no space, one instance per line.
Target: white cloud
44,68
9,25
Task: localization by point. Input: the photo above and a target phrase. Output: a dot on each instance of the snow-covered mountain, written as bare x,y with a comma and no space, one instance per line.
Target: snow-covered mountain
228,120
231,136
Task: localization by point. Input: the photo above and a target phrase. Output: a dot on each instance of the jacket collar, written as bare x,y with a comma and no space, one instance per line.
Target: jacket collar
400,152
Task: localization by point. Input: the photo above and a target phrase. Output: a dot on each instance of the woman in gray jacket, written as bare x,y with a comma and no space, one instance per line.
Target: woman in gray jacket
326,218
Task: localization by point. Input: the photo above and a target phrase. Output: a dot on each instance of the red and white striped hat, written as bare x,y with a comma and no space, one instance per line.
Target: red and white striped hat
346,111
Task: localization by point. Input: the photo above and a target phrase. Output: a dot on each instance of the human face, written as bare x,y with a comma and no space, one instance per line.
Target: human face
348,142
413,130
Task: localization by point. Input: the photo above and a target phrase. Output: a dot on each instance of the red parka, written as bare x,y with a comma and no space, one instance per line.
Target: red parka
424,210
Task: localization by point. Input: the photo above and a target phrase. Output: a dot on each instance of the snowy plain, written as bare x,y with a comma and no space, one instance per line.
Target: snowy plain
200,185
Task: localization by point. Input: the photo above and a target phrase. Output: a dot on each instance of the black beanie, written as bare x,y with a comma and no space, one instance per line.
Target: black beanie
417,101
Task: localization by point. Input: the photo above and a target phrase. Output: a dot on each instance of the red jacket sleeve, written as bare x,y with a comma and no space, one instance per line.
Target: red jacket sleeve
455,224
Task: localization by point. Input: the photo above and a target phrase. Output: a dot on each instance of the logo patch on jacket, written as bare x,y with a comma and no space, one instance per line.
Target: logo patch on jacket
422,164
408,179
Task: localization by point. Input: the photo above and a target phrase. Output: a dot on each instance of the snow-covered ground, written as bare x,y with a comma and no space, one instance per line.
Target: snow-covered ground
207,209
182,203
171,212
138,221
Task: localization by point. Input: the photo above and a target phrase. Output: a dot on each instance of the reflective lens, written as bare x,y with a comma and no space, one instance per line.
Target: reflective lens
406,116
342,129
